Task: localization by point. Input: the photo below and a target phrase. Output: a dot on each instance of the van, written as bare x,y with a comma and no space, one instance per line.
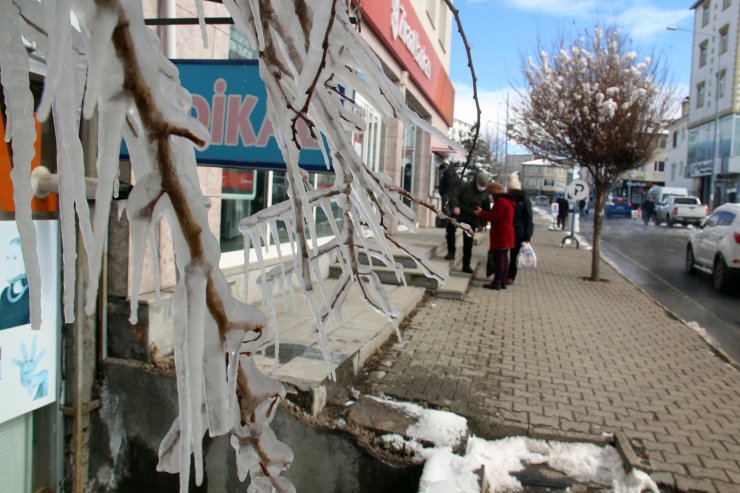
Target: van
658,194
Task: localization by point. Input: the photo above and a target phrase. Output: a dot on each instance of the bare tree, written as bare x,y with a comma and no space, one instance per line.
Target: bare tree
592,102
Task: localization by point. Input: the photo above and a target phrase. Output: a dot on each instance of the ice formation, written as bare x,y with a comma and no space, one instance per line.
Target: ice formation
102,58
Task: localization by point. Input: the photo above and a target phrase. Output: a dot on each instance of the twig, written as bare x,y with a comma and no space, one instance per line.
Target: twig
301,114
456,14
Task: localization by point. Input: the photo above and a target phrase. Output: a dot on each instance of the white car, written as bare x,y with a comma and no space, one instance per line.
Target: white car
715,247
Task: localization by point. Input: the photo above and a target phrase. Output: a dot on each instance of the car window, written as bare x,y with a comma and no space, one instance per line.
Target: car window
713,219
726,219
686,200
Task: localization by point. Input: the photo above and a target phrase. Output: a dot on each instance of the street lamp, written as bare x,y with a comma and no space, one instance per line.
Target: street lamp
715,138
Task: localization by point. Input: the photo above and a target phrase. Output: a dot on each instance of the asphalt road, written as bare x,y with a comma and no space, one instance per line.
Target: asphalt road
653,257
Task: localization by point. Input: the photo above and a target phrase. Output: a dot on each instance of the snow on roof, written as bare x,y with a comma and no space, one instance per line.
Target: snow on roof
538,162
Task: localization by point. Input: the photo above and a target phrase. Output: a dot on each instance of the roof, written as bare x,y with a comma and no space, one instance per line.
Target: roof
538,162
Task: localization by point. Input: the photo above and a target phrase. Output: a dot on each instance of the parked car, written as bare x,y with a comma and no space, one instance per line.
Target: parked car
541,200
684,210
715,247
659,194
618,206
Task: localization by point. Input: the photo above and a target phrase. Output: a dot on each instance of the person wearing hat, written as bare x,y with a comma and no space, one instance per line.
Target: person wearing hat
501,217
464,201
523,222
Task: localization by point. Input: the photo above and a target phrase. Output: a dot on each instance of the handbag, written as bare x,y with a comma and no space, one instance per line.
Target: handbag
526,259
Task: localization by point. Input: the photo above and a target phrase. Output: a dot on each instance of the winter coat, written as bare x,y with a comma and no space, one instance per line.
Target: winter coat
563,207
448,182
523,222
501,217
467,198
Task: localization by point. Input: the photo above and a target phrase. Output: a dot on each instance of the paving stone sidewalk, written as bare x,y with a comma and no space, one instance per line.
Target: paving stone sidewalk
555,353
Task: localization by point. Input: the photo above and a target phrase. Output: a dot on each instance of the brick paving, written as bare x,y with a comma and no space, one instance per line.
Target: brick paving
558,354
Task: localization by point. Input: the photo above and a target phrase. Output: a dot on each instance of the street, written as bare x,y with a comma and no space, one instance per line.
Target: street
653,257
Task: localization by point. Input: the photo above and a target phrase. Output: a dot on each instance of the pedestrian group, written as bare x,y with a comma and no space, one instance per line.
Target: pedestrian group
482,200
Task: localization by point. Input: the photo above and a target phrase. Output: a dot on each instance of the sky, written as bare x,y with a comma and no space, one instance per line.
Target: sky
501,32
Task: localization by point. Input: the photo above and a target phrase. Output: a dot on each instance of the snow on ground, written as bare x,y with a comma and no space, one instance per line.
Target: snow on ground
450,473
447,472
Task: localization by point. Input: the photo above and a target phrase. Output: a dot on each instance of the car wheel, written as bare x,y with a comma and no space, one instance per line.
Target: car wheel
720,274
689,265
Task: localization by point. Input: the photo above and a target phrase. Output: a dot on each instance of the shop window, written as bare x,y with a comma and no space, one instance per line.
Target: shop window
243,193
409,160
369,145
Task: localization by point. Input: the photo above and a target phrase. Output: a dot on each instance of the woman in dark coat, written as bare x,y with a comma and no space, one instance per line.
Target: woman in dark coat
501,217
523,223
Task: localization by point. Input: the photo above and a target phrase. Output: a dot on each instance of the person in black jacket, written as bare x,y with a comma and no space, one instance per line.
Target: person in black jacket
563,207
464,201
523,222
447,184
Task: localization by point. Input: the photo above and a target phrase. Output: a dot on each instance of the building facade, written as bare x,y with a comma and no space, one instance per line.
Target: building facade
675,171
541,177
713,153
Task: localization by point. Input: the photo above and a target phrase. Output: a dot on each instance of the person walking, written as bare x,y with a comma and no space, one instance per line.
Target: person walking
523,223
501,237
464,201
648,209
563,207
447,184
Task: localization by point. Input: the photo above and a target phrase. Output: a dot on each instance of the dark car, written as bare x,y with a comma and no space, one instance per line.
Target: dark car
618,206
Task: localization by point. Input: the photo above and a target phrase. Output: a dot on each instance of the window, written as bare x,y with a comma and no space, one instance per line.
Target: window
700,94
675,138
705,13
724,39
659,166
673,171
442,29
721,83
703,49
432,11
726,4
549,183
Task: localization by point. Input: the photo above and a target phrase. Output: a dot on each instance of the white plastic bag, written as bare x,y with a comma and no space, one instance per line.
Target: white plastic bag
526,259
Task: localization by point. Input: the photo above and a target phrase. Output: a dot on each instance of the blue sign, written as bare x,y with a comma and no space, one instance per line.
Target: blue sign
229,98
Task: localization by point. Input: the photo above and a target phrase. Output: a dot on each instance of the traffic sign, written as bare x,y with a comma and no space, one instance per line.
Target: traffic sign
577,190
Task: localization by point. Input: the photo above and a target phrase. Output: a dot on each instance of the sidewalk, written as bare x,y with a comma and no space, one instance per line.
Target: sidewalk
558,356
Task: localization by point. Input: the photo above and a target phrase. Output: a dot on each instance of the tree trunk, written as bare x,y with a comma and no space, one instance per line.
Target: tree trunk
598,220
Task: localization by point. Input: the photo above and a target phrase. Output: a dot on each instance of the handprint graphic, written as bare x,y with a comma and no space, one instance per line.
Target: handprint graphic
36,384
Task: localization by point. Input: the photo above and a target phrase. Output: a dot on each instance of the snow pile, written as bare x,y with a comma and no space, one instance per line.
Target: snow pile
442,428
103,60
450,473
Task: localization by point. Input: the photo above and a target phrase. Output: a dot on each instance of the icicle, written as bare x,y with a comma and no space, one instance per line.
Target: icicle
21,129
201,22
246,240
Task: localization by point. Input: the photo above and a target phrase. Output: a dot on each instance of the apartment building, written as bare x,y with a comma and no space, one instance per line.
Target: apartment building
713,153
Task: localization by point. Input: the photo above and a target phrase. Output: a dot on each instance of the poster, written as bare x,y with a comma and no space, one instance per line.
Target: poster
28,358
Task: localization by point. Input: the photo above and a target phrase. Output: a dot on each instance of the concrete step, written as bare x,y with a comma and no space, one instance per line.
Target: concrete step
361,332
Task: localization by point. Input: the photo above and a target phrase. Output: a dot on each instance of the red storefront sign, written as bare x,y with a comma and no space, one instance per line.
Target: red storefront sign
400,30
240,182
